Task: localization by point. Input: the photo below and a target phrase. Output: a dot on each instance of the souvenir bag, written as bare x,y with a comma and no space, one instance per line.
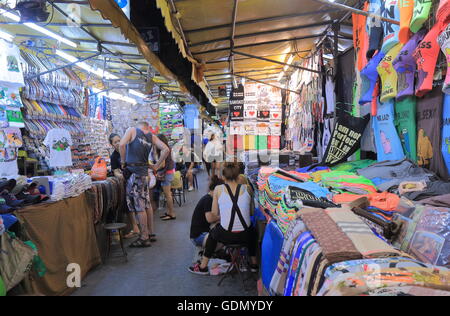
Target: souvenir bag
99,170
16,259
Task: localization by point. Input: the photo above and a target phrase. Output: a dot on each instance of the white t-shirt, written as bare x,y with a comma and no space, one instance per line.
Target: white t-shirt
58,140
11,63
330,95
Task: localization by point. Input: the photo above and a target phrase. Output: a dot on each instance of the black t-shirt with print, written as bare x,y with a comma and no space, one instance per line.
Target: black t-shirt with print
115,161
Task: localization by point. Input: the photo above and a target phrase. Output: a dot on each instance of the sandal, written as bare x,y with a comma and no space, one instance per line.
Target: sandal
169,218
165,215
152,238
130,235
141,244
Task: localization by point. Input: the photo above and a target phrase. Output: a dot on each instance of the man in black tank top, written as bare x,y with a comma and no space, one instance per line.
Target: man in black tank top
135,149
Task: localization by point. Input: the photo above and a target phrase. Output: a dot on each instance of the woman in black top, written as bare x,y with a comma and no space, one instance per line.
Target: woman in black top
202,213
116,168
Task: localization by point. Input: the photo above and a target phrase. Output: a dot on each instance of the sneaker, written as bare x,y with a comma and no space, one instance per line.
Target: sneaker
197,270
191,189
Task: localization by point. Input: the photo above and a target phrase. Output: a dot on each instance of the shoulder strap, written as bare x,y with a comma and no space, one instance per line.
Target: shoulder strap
235,209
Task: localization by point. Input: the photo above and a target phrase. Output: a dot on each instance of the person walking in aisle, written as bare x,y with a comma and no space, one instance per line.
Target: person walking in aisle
116,168
135,149
165,174
233,207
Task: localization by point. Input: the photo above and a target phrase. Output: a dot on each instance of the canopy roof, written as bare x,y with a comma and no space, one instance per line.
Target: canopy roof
124,53
207,30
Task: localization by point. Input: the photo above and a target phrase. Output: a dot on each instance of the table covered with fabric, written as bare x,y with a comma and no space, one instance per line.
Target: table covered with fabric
64,234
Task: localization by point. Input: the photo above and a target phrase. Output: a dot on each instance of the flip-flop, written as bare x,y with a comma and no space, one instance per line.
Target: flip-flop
169,218
141,244
165,215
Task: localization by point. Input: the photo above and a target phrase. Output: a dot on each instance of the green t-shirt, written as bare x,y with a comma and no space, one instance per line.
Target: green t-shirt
421,13
405,122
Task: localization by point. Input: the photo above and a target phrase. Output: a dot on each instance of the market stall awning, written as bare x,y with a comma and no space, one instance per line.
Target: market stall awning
207,32
86,27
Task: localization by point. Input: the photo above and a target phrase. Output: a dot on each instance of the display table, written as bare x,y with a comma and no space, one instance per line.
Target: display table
64,233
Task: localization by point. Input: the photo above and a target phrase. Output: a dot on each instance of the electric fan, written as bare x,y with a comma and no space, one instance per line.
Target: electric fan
32,10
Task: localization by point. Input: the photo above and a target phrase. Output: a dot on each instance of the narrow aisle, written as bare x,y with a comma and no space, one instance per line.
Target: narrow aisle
161,269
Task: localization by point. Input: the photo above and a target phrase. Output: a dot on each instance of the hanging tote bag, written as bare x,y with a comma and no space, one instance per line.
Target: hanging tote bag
99,170
16,259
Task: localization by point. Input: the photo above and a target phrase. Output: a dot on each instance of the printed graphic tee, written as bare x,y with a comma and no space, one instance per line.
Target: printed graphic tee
387,141
388,74
374,27
391,31
405,121
444,43
429,128
406,13
426,56
58,140
11,75
446,132
405,66
361,38
420,14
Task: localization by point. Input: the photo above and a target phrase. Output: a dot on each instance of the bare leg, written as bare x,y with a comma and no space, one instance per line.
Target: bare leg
143,222
150,221
133,222
169,198
190,177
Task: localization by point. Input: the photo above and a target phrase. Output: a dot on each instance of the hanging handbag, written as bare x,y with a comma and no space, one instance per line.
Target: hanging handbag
16,259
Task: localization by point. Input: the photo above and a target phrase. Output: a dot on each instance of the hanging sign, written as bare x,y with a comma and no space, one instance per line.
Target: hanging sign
237,104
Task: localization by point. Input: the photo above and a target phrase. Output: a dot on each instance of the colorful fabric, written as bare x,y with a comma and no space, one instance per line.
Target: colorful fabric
335,244
387,141
391,31
368,245
369,77
405,121
444,43
406,8
446,131
420,14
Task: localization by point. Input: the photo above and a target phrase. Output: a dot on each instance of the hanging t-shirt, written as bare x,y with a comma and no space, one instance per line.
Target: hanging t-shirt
369,77
11,75
420,15
191,115
391,31
429,128
360,38
368,138
388,143
388,74
444,43
330,95
406,13
374,27
405,65
8,162
405,120
3,117
11,137
58,140
446,131
426,56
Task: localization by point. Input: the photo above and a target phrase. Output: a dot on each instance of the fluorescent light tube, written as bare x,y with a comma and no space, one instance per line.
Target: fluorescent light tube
6,36
85,66
138,94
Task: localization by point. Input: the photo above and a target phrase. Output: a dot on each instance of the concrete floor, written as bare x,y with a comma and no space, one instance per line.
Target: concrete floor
162,269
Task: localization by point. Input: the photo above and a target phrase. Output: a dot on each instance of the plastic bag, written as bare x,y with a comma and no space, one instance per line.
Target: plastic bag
99,170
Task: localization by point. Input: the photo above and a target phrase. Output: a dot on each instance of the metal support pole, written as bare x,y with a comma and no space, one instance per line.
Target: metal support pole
183,36
289,29
65,66
233,33
357,11
99,42
276,62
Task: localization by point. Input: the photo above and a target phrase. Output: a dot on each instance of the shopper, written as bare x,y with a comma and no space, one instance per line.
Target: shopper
214,155
202,218
116,168
165,174
135,149
232,206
